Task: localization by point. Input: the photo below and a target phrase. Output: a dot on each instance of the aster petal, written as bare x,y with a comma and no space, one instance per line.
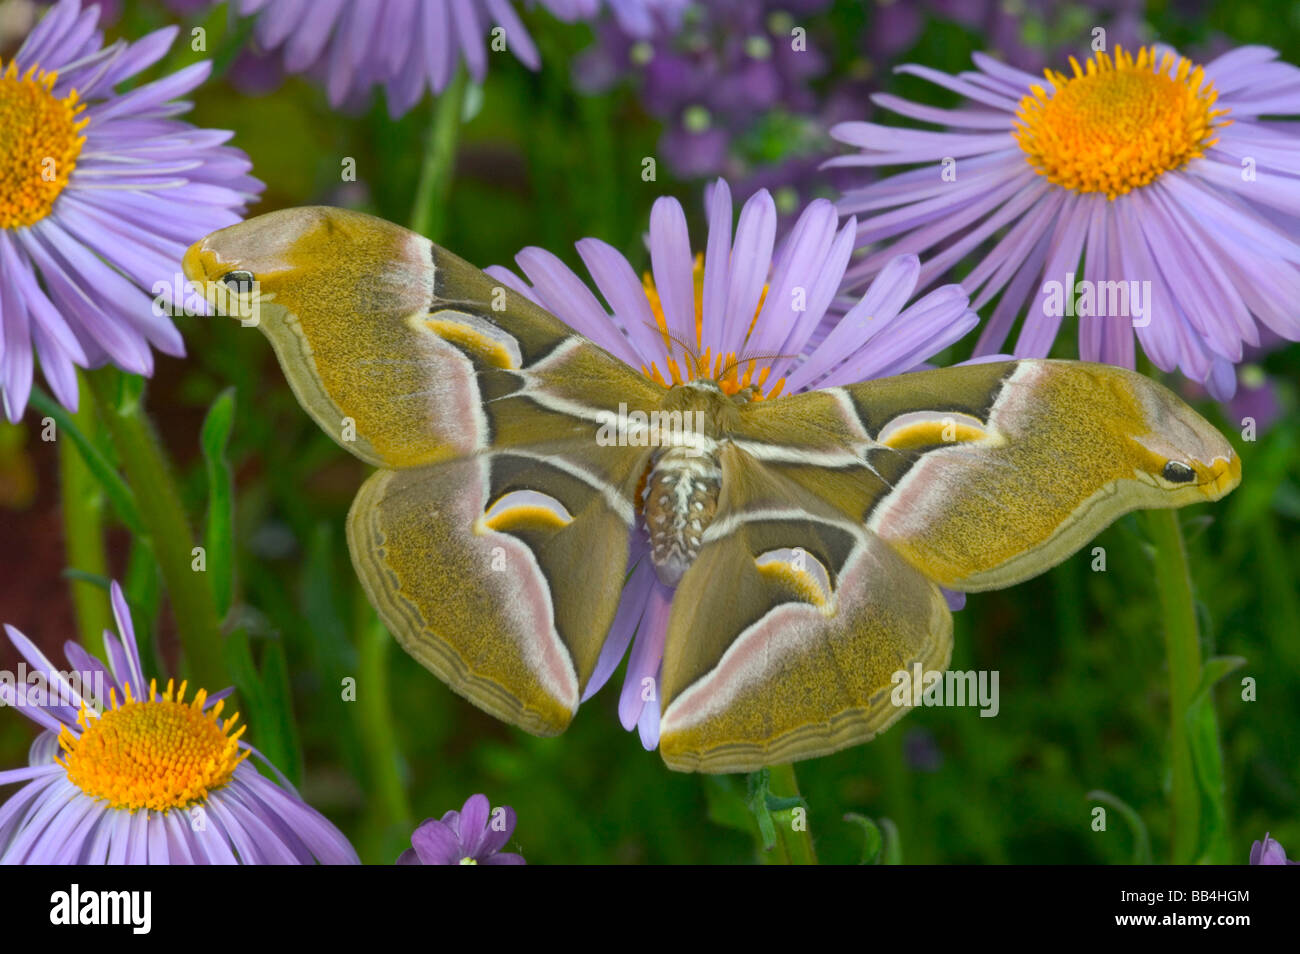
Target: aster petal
15,812
623,291
631,606
647,655
517,38
152,95
1040,328
818,297
18,269
751,261
1027,275
670,258
803,254
961,86
885,297
60,686
469,32
717,264
326,843
565,295
115,336
180,849
960,118
133,672
16,354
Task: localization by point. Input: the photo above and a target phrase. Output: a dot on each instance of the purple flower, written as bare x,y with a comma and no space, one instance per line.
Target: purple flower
712,81
1160,175
125,774
474,835
100,194
1268,852
745,295
406,46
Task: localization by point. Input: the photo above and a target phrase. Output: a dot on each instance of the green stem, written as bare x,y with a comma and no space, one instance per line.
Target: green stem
429,213
82,502
798,843
1183,651
392,807
171,538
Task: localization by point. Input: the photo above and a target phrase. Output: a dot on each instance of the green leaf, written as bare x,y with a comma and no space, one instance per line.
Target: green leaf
219,536
115,488
873,841
1207,757
265,700
726,804
1141,837
757,799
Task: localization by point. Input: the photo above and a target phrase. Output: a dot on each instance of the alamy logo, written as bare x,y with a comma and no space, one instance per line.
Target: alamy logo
1089,299
655,429
133,908
919,687
39,689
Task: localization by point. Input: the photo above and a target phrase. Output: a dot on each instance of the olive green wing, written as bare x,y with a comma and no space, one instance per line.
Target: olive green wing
842,509
494,541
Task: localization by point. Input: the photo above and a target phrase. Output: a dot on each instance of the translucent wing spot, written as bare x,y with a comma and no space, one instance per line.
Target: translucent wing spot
480,338
930,428
799,570
525,510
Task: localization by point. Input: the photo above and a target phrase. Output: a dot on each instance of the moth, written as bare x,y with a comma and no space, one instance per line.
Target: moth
807,536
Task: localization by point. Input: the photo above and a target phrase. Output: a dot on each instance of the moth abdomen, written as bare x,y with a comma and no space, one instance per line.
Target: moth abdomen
679,502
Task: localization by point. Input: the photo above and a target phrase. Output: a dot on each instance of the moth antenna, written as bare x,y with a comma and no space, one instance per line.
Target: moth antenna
672,337
752,357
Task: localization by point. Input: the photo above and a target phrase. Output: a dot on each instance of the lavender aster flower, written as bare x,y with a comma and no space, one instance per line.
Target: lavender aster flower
100,194
142,776
474,835
1158,174
1268,852
756,315
405,46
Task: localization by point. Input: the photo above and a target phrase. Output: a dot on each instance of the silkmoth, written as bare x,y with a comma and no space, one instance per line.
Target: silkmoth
493,539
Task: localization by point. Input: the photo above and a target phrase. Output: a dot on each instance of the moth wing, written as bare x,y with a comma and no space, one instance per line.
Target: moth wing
973,477
507,604
985,475
494,540
397,348
787,631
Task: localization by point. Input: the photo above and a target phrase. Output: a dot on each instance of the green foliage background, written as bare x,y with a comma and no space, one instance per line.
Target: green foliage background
1080,653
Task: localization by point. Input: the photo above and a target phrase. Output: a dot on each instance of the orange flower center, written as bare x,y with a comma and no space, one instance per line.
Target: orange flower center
40,140
732,374
1117,125
157,754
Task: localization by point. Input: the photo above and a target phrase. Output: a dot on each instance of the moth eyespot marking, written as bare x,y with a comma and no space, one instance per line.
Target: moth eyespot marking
1176,472
239,280
524,509
803,572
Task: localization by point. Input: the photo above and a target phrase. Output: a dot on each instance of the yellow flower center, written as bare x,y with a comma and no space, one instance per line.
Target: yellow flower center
1117,125
732,374
157,754
40,140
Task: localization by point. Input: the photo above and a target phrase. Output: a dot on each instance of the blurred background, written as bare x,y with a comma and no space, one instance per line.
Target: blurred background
548,158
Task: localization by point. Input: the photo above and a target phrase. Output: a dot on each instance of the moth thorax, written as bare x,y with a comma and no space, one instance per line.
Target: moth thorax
680,499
